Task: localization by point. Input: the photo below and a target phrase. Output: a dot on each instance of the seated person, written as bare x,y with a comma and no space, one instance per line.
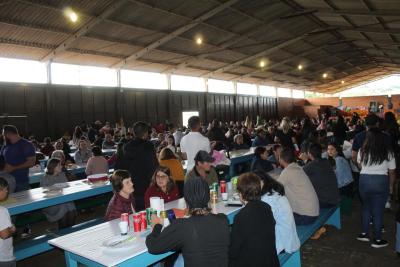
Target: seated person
7,230
122,200
168,159
253,230
59,154
322,177
8,177
97,163
112,161
161,186
47,148
60,146
203,237
64,214
203,168
238,143
274,156
261,138
83,154
342,169
108,142
260,161
273,193
298,189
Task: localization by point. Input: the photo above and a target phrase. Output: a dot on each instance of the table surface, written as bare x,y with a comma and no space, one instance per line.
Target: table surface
36,173
39,198
87,243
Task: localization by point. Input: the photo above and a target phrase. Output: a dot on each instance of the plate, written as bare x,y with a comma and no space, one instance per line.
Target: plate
127,245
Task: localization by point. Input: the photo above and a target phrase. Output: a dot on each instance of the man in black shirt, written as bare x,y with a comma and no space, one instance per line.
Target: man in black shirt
139,158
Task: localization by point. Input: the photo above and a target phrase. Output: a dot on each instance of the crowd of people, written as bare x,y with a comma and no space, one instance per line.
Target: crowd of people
308,153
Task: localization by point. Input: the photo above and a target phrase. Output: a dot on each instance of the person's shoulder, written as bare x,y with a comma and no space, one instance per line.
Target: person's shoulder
4,212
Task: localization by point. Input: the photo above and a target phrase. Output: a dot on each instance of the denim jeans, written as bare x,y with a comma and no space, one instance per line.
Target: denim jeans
398,237
304,219
374,191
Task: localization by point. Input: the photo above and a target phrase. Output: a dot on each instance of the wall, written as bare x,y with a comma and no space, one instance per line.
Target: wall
55,109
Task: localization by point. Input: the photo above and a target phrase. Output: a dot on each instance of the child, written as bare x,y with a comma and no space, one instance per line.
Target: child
123,200
64,214
7,230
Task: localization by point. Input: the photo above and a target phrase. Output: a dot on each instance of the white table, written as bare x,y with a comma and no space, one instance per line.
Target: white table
37,198
85,246
36,173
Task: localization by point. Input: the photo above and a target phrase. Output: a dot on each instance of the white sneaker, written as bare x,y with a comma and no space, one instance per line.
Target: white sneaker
388,205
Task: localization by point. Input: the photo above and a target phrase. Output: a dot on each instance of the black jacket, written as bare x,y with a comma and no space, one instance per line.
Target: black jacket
203,240
139,158
324,180
253,237
262,165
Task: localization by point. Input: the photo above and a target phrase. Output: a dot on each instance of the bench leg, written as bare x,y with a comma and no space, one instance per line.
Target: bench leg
294,260
335,219
69,260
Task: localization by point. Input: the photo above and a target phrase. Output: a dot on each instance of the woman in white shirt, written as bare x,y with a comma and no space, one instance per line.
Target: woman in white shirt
377,163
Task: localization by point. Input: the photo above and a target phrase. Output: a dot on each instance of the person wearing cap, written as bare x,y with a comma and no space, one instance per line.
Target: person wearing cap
203,237
203,168
261,138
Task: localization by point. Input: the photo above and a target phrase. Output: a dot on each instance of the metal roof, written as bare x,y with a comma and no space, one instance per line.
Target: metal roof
350,40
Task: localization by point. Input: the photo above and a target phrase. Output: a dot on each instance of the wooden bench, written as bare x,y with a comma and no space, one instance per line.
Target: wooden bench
327,216
39,244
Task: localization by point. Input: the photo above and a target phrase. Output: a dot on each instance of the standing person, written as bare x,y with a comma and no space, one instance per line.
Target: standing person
217,134
193,142
7,230
140,159
253,230
298,188
64,214
285,135
339,130
19,155
161,186
203,237
377,164
371,122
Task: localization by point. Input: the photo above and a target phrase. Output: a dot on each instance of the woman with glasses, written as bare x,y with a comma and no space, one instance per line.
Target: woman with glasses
162,186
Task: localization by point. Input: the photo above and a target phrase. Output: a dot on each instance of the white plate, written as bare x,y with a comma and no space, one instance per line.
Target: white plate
123,247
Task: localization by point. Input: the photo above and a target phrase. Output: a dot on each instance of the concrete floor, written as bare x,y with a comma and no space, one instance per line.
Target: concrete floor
335,248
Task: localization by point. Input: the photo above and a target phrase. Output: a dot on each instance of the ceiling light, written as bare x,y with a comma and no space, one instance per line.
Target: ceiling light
199,40
73,17
342,81
300,67
325,75
262,63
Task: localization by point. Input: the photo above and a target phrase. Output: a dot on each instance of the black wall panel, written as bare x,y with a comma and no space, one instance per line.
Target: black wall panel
55,109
